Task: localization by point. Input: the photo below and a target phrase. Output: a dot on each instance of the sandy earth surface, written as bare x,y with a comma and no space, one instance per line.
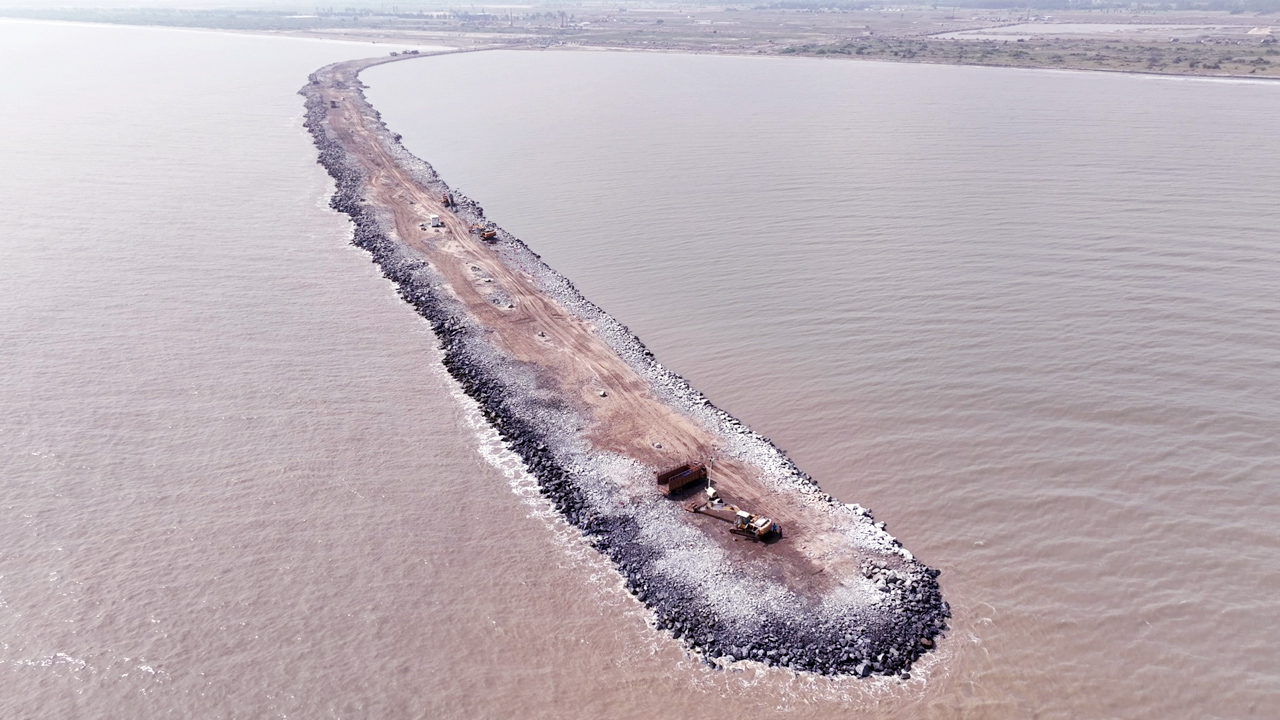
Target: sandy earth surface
626,417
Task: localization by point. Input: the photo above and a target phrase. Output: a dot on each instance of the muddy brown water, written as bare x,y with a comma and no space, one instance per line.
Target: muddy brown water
1029,318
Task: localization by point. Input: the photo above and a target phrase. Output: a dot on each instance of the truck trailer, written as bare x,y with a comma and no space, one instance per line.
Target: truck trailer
681,476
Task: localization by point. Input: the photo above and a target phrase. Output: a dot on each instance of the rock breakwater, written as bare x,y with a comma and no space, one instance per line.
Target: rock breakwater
838,595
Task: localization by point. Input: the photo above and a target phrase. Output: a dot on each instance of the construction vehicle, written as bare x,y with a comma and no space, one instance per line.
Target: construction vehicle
447,200
754,526
741,522
681,476
485,233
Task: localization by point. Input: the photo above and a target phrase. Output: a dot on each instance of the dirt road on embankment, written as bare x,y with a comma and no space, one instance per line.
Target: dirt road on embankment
594,417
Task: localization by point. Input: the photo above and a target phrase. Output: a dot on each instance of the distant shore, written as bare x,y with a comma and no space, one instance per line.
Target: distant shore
1181,43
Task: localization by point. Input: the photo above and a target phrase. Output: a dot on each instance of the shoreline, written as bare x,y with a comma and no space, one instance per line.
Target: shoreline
1205,44
829,58
542,44
593,415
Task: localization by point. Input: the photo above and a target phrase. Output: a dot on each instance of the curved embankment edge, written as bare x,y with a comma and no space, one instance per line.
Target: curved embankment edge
880,624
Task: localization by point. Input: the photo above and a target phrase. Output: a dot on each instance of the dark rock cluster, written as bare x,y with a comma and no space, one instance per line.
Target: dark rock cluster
881,624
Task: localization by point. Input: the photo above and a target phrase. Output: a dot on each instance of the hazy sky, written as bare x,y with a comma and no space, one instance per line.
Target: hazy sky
299,5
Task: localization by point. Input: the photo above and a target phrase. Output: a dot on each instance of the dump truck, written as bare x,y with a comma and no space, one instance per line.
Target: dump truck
669,481
484,232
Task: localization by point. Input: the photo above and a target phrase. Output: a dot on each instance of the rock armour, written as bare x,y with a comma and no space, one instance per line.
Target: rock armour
879,624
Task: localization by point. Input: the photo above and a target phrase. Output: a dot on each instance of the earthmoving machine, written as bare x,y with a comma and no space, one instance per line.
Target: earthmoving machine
484,232
741,522
754,526
447,200
681,476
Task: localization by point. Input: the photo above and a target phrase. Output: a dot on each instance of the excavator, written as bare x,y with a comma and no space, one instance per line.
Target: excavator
754,526
746,524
